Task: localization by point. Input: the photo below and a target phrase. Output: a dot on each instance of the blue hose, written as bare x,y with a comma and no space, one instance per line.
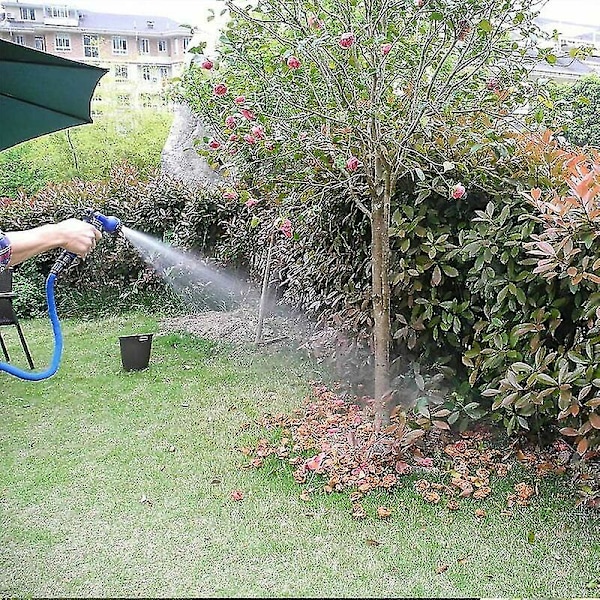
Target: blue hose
58,341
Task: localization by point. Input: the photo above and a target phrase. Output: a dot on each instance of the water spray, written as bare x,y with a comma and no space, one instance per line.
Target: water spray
110,225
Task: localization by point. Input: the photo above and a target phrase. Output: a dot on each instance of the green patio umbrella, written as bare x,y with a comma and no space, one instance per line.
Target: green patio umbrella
41,93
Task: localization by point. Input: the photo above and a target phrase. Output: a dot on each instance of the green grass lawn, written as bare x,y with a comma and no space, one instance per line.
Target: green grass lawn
117,484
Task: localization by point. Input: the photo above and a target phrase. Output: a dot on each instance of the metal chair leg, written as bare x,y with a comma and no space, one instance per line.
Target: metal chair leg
4,349
24,344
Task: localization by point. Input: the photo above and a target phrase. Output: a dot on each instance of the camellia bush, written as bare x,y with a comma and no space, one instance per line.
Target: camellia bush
365,101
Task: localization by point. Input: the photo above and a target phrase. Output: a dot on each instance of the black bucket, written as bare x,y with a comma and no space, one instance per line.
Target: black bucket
135,351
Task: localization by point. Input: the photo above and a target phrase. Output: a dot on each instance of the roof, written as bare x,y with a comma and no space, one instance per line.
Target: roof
112,22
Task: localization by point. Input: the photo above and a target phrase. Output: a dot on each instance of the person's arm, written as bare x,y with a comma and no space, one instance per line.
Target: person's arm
74,235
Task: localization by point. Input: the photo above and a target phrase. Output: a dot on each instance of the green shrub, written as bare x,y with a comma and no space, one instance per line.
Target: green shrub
115,276
88,152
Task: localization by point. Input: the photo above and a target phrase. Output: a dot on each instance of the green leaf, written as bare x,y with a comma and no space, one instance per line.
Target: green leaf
550,59
485,25
436,16
450,271
544,378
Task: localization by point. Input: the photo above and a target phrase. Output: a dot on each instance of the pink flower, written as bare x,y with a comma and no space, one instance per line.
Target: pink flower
239,99
314,22
419,3
214,144
248,114
286,228
293,62
258,132
250,202
237,495
230,195
352,163
207,64
234,138
230,122
220,89
346,40
232,151
385,48
458,191
250,139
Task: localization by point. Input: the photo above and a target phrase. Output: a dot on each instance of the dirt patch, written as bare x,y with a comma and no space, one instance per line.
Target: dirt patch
239,326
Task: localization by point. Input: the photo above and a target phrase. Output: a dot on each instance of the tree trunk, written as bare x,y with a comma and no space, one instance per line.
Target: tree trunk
264,293
380,271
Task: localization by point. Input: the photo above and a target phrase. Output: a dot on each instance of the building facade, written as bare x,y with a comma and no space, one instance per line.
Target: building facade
141,53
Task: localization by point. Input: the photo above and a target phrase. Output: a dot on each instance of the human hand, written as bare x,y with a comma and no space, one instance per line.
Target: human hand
77,236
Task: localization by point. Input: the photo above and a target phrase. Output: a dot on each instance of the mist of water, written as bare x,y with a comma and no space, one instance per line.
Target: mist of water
196,283
201,287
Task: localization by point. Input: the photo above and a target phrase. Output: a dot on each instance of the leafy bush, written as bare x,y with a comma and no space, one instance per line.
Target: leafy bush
115,276
574,108
74,153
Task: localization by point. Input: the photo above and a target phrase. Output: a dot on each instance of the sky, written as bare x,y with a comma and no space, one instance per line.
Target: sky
194,11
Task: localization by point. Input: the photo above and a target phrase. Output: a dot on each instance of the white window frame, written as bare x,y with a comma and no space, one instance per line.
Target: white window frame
146,73
58,12
19,39
91,49
163,72
185,43
27,14
119,44
40,43
162,45
121,73
144,46
59,46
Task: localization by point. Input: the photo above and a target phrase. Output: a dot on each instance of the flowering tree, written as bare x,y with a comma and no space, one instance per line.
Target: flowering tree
312,97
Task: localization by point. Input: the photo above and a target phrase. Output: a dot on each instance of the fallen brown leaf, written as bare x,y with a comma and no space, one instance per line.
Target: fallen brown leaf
383,512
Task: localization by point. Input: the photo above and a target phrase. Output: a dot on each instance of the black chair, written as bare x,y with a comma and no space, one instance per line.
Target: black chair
8,315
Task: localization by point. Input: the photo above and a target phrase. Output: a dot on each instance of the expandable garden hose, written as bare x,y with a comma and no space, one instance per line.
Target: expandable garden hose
101,222
58,341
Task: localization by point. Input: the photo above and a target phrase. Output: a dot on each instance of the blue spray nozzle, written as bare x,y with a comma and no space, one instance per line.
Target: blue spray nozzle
105,224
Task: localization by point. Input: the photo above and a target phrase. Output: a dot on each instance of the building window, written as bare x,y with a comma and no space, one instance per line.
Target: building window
19,39
144,46
40,43
58,12
149,100
121,72
164,72
162,45
90,46
123,99
62,43
119,45
27,14
186,43
146,73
